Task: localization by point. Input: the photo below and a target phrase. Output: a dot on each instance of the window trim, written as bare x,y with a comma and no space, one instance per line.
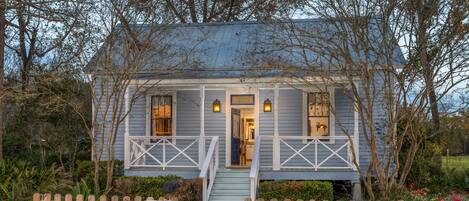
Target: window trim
234,95
173,112
331,91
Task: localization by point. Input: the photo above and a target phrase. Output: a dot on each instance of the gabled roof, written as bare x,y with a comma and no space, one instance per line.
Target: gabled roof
237,49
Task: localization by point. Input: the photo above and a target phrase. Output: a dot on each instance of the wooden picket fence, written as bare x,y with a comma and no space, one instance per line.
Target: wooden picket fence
260,199
80,197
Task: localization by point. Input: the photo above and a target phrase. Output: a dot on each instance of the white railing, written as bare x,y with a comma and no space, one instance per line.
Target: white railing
315,152
254,173
163,152
209,168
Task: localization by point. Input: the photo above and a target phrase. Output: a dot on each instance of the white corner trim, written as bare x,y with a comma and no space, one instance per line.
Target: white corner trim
276,140
126,132
201,147
148,110
356,132
305,114
202,110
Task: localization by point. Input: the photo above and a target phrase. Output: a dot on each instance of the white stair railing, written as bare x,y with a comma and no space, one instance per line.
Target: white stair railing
254,173
209,168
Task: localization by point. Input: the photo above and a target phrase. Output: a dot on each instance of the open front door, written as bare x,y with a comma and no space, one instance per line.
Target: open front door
235,136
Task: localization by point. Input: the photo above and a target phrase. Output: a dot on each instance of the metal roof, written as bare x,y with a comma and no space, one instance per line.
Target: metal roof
236,49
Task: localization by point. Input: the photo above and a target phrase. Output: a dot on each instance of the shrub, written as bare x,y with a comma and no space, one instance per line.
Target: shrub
188,190
455,179
19,180
142,186
84,172
305,190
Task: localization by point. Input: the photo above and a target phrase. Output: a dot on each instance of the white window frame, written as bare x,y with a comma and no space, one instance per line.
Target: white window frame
173,113
331,91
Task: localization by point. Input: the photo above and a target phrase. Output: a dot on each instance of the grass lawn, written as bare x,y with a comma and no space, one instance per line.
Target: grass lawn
457,162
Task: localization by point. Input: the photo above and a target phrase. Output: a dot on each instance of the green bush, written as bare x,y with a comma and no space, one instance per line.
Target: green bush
19,180
455,179
84,172
141,186
305,190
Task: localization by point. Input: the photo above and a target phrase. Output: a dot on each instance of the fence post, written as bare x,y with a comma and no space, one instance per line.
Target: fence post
150,198
91,198
37,197
47,197
126,198
57,197
68,197
79,197
114,198
102,198
138,198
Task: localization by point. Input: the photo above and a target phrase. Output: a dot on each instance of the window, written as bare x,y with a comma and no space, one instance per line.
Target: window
242,99
318,114
161,115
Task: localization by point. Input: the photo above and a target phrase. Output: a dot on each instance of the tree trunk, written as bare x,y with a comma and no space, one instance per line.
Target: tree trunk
2,58
432,98
26,47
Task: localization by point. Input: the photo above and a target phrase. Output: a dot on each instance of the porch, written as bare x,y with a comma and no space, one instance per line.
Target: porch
275,155
157,156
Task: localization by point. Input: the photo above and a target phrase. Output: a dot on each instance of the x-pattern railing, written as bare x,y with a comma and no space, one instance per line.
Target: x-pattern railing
318,142
143,146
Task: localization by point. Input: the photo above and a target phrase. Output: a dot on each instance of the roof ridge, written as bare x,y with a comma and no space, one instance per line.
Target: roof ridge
241,22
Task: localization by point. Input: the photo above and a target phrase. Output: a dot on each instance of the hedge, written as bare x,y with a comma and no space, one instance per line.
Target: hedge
141,186
294,190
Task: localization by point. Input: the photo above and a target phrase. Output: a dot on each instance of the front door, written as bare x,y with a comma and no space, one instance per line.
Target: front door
235,136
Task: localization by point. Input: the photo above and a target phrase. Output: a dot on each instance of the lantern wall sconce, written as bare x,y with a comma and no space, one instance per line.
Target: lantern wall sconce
216,106
267,106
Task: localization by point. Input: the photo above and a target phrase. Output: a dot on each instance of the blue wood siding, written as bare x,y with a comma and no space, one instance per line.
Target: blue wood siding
290,106
119,143
215,123
266,127
187,124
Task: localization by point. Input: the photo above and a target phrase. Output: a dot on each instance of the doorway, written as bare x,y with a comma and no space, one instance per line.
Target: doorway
242,136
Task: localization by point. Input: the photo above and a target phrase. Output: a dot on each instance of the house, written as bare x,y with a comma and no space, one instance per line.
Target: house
228,112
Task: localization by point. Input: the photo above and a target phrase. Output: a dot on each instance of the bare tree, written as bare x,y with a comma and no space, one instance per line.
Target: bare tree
33,32
134,38
2,59
37,28
438,47
195,11
357,40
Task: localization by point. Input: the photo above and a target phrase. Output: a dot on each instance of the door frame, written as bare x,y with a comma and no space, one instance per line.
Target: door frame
228,106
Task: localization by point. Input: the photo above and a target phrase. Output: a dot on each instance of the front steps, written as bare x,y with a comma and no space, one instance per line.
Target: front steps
231,185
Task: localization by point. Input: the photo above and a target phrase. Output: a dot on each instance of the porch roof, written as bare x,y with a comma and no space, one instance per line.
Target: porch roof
235,49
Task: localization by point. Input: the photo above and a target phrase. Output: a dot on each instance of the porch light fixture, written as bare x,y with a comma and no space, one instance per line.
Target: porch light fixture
216,106
267,106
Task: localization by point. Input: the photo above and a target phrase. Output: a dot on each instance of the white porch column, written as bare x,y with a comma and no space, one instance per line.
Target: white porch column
356,133
126,132
276,140
202,127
